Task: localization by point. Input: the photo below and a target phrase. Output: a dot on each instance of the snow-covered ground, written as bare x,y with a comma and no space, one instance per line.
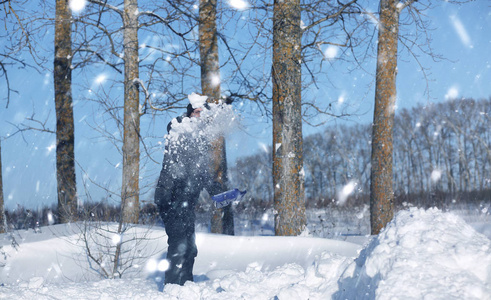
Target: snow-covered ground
421,254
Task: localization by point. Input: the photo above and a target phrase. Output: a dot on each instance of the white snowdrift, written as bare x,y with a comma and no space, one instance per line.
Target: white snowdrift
422,254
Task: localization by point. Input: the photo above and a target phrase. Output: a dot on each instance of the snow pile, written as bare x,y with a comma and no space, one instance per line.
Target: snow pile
422,254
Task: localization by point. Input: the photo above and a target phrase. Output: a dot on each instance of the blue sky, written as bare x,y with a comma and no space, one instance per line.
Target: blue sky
462,35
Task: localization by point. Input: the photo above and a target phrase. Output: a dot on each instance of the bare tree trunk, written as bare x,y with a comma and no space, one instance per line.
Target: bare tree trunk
381,189
131,142
288,178
65,137
3,221
222,219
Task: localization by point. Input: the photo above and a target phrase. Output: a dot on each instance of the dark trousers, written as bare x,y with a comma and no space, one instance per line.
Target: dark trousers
182,250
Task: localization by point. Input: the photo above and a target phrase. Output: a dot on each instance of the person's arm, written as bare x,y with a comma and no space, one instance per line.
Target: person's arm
163,191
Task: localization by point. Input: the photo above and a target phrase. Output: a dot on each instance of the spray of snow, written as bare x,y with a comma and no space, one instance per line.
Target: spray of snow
219,120
197,100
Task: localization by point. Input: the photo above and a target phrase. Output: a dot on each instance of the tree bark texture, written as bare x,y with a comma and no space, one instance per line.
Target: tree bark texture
381,189
288,179
65,132
131,140
3,221
222,219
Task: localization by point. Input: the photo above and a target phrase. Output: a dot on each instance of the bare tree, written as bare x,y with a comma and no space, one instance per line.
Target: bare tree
17,35
131,141
222,219
65,135
382,194
3,221
381,190
288,177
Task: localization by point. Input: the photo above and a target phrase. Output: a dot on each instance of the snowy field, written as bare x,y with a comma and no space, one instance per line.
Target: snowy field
421,254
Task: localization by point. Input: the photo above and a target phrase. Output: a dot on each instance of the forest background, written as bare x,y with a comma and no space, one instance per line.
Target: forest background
442,150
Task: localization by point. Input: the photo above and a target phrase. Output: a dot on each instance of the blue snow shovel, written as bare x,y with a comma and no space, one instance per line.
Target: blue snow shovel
225,198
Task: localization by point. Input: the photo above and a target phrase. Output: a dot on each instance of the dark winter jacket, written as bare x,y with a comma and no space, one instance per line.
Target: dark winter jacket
185,173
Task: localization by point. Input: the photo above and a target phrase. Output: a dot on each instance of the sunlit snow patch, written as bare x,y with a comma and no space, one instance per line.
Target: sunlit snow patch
218,120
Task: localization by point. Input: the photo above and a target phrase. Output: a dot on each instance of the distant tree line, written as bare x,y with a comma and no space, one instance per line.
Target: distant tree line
442,154
25,218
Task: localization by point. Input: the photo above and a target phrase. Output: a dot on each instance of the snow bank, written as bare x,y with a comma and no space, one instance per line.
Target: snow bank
421,254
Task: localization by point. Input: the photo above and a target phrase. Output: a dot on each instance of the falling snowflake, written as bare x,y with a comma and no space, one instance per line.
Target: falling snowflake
331,52
346,191
461,31
436,175
238,4
452,93
77,5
